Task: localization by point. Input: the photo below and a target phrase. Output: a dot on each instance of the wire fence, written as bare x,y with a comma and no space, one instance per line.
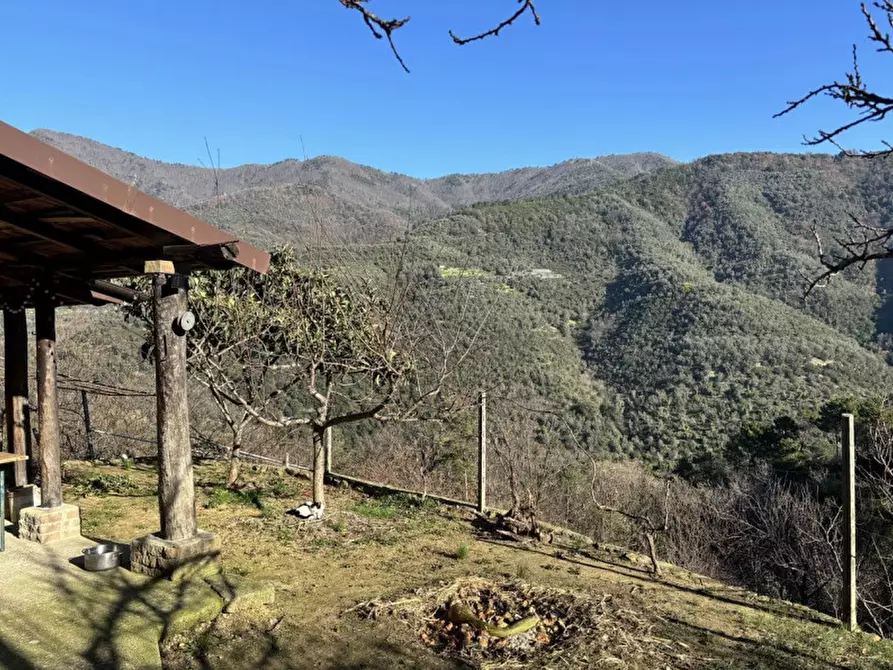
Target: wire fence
99,418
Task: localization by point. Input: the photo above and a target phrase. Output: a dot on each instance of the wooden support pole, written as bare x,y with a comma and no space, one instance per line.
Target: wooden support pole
88,426
48,407
482,452
176,490
848,449
329,450
18,440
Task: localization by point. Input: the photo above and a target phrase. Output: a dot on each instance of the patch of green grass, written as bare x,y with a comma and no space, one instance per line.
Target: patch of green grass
832,641
279,487
223,496
382,540
103,484
374,509
337,526
323,543
393,504
199,646
461,552
100,518
267,511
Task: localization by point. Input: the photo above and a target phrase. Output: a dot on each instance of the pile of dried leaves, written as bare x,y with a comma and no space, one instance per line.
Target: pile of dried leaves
573,629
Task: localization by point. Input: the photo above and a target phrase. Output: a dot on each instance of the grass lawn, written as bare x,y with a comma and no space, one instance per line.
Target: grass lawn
394,548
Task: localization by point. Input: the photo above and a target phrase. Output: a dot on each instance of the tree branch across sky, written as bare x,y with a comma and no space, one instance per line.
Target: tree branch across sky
384,28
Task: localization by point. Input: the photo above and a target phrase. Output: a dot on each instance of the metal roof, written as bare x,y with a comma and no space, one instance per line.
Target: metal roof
67,228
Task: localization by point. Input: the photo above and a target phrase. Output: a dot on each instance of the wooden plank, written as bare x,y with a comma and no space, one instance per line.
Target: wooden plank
6,458
15,195
158,267
48,403
40,230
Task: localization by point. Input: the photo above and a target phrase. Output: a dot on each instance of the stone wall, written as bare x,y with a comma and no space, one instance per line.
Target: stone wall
157,557
38,524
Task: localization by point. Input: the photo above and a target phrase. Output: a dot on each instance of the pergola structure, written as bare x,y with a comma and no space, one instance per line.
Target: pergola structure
66,229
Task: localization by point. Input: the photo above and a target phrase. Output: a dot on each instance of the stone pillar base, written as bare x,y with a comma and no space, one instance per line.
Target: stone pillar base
39,524
17,499
174,559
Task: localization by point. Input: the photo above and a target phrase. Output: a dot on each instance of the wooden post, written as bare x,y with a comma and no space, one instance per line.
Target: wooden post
482,452
88,427
287,461
848,449
176,492
48,407
329,450
15,329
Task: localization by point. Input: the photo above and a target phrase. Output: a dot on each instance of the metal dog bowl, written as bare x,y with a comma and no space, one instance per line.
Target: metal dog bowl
101,557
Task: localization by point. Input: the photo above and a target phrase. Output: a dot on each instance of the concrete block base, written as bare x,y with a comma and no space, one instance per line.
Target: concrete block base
175,559
39,524
17,499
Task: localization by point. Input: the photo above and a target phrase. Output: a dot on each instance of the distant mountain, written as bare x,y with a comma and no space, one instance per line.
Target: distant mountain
659,304
349,201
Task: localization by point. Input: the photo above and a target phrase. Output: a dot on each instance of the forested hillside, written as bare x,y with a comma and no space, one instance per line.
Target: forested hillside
683,294
659,312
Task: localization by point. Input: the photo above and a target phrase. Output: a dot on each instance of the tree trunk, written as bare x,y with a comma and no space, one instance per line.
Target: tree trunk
319,464
235,463
50,456
652,553
176,489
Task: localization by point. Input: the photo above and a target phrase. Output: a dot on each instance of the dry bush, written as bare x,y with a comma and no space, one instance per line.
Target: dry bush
530,469
432,457
780,539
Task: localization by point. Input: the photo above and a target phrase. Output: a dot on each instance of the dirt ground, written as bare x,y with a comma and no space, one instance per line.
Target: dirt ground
381,550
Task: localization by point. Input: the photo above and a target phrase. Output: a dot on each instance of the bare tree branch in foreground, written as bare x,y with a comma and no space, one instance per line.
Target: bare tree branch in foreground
861,245
384,28
854,92
526,5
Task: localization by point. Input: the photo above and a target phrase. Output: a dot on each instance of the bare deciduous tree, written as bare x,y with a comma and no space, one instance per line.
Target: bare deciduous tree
650,527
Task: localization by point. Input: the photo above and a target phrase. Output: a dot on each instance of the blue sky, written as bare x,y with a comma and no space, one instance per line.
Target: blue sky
681,78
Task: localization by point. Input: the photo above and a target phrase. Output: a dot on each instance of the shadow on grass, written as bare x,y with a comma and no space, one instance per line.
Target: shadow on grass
596,562
115,619
731,650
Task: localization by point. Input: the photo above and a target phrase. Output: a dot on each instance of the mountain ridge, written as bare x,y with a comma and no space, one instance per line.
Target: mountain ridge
184,185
